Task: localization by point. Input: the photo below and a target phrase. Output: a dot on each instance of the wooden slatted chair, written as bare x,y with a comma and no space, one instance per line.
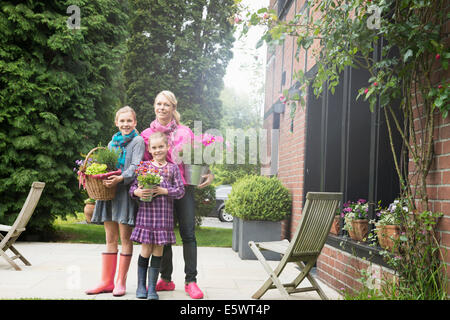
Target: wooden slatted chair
14,231
305,247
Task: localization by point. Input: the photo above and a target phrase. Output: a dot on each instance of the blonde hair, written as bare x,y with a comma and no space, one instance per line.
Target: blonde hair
173,100
158,135
125,110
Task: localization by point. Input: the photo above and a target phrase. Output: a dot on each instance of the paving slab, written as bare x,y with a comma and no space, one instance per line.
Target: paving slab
65,270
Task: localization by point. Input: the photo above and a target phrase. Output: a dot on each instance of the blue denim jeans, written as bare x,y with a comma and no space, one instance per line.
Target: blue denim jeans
185,214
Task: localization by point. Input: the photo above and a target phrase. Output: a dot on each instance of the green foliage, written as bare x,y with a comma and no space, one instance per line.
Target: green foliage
418,258
240,112
205,202
96,168
58,91
181,46
259,198
239,167
109,157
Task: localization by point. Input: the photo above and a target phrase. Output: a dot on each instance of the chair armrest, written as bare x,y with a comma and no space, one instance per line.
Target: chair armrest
4,227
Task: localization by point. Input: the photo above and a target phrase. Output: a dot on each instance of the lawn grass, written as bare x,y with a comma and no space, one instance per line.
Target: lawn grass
74,230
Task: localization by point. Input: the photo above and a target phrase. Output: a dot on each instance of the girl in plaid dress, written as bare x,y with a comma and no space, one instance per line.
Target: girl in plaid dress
154,222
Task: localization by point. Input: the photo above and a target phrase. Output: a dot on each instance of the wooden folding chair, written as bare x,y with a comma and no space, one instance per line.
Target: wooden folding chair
305,247
14,231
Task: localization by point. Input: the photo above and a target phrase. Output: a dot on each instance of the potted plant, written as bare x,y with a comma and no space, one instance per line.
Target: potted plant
147,177
99,164
197,155
89,206
356,219
388,224
336,225
258,204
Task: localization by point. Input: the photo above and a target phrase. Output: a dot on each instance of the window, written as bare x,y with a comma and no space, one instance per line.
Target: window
348,150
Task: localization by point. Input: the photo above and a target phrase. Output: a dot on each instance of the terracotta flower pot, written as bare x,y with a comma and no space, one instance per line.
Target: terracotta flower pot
387,235
88,211
360,230
336,226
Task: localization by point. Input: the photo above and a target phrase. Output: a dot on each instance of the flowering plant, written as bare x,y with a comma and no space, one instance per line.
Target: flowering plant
147,175
393,214
102,161
80,163
202,150
354,211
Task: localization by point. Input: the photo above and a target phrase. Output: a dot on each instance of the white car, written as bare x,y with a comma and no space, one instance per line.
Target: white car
222,193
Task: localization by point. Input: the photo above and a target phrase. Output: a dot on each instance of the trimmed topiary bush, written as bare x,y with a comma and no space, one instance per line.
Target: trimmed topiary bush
259,198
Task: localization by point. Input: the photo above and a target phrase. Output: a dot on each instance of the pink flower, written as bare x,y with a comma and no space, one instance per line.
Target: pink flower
366,90
438,56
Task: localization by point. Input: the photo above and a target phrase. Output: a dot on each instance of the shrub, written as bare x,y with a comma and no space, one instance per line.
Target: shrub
205,201
259,198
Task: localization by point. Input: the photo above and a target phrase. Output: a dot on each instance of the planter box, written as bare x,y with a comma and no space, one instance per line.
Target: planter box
258,231
235,238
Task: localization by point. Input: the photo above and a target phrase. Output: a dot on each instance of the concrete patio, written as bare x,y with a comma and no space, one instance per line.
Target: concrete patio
65,270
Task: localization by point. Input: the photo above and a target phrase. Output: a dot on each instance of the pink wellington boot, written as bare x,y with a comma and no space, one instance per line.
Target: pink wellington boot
109,263
124,265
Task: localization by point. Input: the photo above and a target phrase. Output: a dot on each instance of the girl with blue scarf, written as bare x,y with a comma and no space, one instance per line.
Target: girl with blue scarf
118,215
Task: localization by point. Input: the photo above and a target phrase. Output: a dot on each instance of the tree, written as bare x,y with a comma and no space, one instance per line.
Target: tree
58,91
182,46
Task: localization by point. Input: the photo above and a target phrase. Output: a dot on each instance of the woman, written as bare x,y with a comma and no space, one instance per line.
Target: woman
118,215
168,121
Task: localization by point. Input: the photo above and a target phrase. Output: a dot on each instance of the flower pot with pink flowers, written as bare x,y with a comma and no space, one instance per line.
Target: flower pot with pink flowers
388,224
197,155
356,219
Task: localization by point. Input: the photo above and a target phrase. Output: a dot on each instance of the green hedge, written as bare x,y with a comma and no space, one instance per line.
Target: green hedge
259,198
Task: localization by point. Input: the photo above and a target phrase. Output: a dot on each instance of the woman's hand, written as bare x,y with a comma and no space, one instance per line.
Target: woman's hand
157,190
209,178
111,181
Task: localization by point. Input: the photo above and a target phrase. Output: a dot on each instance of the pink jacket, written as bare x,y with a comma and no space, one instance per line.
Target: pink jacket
181,135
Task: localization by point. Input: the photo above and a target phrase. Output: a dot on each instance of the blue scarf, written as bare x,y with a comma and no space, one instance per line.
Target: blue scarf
119,142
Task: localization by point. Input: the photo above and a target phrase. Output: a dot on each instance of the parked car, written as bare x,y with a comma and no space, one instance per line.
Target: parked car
222,192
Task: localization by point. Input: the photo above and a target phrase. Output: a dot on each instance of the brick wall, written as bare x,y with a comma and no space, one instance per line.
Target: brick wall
335,267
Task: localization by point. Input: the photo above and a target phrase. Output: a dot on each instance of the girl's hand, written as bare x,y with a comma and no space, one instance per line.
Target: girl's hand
111,181
142,193
157,190
209,178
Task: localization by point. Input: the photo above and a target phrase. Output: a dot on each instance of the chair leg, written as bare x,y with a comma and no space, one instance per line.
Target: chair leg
10,261
273,278
318,288
8,245
21,257
305,273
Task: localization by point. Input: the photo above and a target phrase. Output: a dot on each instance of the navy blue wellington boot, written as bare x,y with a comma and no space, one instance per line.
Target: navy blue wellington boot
153,274
141,291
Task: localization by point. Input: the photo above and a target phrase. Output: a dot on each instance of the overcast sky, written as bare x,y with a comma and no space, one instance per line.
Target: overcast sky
235,76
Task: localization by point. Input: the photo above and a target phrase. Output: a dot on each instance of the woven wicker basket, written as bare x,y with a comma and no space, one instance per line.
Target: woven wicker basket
94,183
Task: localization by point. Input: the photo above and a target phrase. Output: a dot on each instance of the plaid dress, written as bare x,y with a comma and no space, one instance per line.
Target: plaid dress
154,221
